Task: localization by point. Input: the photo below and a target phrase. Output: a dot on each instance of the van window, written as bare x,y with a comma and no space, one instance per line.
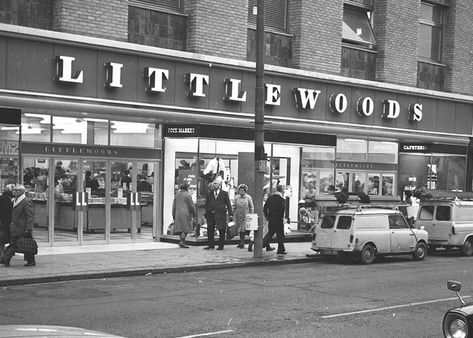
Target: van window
443,213
397,222
328,222
426,213
344,222
463,214
371,222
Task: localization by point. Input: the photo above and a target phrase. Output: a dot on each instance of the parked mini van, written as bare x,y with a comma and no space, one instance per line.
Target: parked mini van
367,232
449,223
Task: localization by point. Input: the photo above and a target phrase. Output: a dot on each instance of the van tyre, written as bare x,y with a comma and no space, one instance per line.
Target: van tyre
420,252
467,248
368,254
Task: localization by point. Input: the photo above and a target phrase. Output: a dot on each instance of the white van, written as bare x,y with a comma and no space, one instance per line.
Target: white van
367,232
449,223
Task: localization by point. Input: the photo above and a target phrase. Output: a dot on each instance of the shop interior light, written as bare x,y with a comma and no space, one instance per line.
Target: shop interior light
130,128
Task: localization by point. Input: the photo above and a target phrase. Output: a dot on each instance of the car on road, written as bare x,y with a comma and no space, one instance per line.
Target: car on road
50,331
449,222
368,232
458,322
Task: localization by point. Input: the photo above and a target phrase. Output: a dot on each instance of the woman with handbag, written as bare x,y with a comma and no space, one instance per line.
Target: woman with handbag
243,205
183,210
21,228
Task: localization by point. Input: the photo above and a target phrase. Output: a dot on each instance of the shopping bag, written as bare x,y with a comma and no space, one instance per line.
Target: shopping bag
251,222
232,230
26,245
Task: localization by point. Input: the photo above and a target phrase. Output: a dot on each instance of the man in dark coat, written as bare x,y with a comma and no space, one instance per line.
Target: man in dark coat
273,210
217,204
21,225
6,206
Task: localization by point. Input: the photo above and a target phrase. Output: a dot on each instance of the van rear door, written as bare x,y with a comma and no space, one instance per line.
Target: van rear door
442,225
341,235
324,231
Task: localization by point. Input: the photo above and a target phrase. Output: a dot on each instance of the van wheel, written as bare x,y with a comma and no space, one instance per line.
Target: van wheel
467,248
420,252
367,254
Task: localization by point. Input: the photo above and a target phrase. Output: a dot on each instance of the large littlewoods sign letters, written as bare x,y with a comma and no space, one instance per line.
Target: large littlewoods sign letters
304,98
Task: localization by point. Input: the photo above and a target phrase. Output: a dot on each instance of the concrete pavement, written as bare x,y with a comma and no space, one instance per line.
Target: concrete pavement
134,259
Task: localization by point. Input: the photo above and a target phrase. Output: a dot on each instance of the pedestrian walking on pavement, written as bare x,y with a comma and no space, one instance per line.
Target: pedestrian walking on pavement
183,210
243,205
273,210
217,205
21,226
6,206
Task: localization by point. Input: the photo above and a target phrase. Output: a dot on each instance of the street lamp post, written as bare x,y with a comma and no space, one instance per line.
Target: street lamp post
260,157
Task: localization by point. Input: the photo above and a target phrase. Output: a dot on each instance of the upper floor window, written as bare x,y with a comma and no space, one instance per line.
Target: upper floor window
157,23
430,37
357,27
275,13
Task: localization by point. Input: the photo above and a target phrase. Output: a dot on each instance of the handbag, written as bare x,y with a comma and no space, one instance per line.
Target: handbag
26,245
232,230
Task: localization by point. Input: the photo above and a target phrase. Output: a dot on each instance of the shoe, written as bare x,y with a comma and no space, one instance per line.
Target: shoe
208,248
239,246
184,246
268,248
219,248
4,262
282,253
30,264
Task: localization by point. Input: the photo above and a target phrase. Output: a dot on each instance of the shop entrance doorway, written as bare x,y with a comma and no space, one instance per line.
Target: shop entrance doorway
92,201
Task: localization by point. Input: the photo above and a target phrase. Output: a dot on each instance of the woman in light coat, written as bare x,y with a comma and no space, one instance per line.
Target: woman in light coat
243,205
183,210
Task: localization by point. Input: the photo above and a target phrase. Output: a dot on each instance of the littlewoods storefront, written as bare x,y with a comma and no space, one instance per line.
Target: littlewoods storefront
109,129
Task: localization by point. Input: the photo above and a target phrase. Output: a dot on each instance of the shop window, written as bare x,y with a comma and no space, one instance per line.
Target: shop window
133,134
35,127
316,170
160,28
29,13
432,171
351,150
80,131
382,152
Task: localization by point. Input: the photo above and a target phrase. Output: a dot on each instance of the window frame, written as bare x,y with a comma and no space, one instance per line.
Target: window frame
268,25
432,25
363,45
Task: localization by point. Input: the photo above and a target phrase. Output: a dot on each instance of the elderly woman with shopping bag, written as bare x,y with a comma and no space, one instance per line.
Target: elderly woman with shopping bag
243,206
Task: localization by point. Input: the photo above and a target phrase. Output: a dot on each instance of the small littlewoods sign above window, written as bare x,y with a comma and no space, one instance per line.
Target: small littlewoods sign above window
197,88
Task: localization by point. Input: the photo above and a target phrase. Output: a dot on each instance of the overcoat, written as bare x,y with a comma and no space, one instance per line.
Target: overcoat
183,209
243,205
22,218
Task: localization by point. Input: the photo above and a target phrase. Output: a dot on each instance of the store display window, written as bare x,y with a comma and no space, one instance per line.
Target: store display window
432,171
9,155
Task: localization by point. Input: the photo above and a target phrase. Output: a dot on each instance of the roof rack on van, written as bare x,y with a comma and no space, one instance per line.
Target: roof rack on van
361,206
443,195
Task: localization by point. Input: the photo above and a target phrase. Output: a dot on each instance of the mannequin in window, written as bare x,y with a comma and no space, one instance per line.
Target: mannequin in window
215,167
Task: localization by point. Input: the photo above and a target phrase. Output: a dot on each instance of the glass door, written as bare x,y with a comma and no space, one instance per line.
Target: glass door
64,189
122,186
36,182
94,178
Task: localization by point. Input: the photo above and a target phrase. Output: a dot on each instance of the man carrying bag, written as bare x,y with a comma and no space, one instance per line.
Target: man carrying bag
21,229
